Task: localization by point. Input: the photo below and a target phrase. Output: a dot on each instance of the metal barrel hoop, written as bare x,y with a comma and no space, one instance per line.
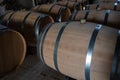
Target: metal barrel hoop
115,58
51,8
115,6
106,16
36,27
59,14
9,19
41,39
3,16
118,1
74,16
87,7
23,22
97,6
90,51
86,14
55,55
37,24
75,7
118,73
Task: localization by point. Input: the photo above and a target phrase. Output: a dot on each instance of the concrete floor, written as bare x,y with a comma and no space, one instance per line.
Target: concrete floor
33,69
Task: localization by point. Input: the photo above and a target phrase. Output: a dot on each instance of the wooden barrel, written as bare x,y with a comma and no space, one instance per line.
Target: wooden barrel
56,11
80,1
106,17
105,1
7,16
12,50
108,1
27,23
81,51
92,7
104,6
73,6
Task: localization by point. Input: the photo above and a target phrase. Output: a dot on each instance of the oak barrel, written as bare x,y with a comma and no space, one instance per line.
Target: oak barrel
104,6
59,13
27,23
12,50
108,1
106,17
81,51
73,6
80,1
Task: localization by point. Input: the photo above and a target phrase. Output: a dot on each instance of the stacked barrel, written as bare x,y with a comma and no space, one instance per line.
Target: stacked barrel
27,23
104,6
59,13
23,28
79,40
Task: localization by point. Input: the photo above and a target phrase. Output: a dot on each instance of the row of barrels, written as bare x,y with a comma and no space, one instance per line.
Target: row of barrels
82,51
59,13
89,1
107,1
106,17
59,45
27,23
22,29
103,6
13,44
22,20
76,5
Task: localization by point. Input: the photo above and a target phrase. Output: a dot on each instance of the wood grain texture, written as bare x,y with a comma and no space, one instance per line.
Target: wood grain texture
98,17
73,47
12,51
45,8
27,28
